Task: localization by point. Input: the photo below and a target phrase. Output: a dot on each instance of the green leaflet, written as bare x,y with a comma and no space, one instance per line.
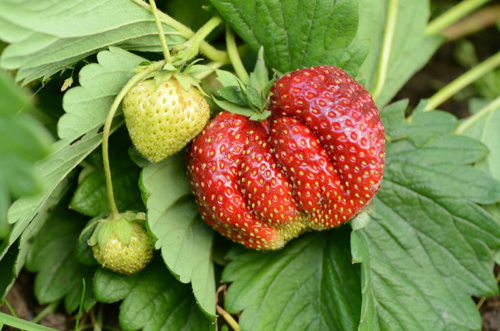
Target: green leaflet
429,245
173,217
304,34
311,284
87,105
36,30
59,274
152,300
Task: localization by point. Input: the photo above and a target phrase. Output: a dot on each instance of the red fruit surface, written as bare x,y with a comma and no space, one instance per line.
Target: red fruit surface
314,164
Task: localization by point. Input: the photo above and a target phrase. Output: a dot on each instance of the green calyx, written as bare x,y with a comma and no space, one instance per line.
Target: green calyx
246,99
119,226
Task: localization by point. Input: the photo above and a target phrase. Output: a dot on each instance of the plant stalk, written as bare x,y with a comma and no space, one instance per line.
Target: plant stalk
464,80
193,44
208,50
470,121
481,19
453,15
383,65
234,56
107,127
229,319
161,34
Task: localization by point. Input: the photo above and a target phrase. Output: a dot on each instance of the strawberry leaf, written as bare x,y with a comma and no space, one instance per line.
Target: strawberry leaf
52,256
87,106
424,126
34,32
311,284
428,245
410,48
173,217
152,300
306,34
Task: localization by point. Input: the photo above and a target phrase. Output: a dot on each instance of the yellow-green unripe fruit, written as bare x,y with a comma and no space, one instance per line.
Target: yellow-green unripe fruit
115,255
162,119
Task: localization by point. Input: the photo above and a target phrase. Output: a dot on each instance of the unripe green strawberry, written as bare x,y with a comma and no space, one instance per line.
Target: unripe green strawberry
162,119
121,245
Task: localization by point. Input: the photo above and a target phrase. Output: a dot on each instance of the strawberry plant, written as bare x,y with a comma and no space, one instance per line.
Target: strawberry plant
236,165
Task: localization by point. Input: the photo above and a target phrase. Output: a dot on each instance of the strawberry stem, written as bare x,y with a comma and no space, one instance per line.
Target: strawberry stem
234,56
208,50
453,15
107,127
191,48
161,34
470,121
229,319
464,80
383,64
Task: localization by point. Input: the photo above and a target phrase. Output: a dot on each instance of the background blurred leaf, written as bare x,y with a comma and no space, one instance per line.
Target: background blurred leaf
44,39
23,141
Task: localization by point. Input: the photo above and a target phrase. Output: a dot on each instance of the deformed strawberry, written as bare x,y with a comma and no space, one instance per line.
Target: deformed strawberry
314,164
162,119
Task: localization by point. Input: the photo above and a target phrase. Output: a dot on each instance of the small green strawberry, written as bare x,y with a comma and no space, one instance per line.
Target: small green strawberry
162,117
122,244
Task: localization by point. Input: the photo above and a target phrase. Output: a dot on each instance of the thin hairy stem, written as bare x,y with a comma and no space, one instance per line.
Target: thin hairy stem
453,15
107,127
464,80
161,34
383,64
234,56
485,111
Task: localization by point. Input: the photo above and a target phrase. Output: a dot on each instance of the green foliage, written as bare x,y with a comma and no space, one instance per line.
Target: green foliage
184,239
52,256
306,34
434,231
311,284
429,236
410,49
23,141
92,26
152,300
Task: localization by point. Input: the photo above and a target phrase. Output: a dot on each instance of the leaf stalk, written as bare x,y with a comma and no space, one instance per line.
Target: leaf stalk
234,56
208,50
383,65
470,121
161,34
453,15
229,319
464,80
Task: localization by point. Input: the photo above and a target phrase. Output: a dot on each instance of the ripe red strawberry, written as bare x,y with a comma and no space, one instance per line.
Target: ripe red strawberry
162,119
314,164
